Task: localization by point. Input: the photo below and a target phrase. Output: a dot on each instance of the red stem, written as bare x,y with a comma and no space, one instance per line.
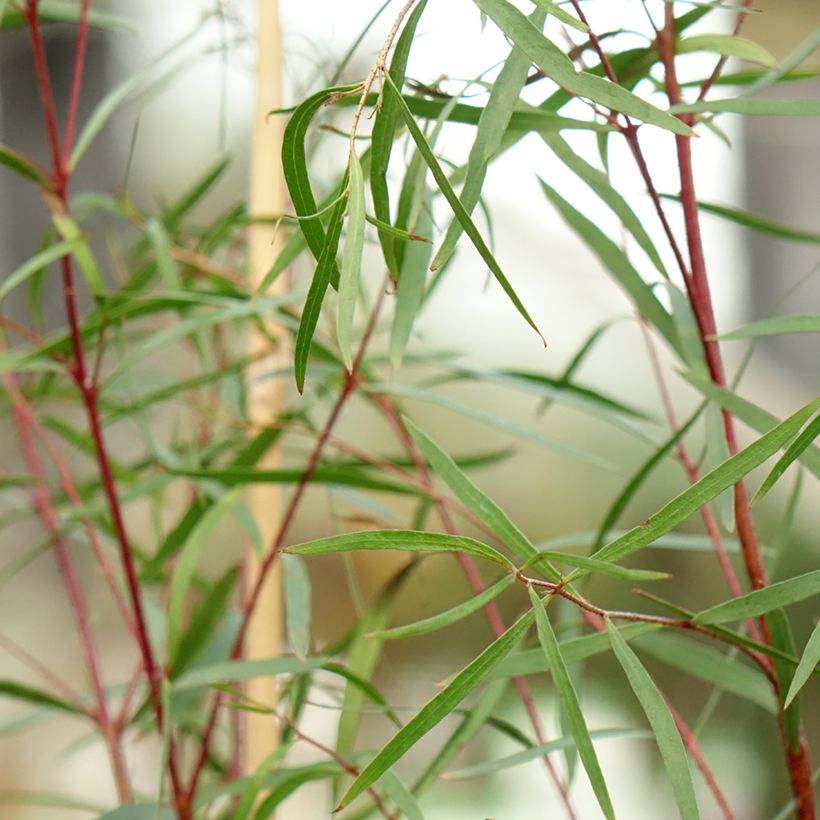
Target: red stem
701,303
76,84
73,587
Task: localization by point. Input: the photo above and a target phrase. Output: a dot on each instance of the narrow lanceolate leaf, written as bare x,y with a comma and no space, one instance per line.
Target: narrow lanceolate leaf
29,694
495,118
711,485
448,617
294,165
184,569
351,261
161,245
70,231
383,134
405,540
807,665
458,209
763,600
556,65
807,323
23,165
478,502
781,638
439,707
603,567
753,221
564,16
227,671
598,181
754,106
569,702
316,294
618,264
663,726
749,413
727,672
793,452
34,265
296,584
410,289
728,45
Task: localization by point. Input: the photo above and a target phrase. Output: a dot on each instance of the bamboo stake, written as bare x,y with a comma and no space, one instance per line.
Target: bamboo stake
265,398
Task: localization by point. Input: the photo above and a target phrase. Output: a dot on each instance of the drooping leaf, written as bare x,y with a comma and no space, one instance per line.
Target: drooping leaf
458,209
663,726
294,165
325,266
25,166
493,124
438,707
384,130
33,266
570,704
296,584
30,694
618,264
227,671
761,601
351,261
599,182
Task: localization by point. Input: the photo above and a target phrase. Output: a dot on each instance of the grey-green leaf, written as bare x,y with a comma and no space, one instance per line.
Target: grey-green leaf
763,600
808,661
572,707
351,261
439,707
663,726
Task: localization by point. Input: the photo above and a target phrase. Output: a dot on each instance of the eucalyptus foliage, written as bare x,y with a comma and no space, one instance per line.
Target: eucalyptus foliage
156,342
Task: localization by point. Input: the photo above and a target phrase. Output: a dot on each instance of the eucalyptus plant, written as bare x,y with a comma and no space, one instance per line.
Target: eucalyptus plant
171,298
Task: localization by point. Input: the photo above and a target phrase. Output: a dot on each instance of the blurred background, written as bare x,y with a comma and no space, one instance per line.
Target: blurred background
157,146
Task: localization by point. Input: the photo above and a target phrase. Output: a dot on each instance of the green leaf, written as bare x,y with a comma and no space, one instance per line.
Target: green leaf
35,265
492,126
763,600
727,45
294,165
29,694
71,233
571,705
405,540
808,323
25,166
476,501
785,69
603,567
411,286
448,617
351,261
753,221
618,264
161,245
458,209
663,726
793,452
707,488
403,798
227,671
185,566
439,707
698,660
781,638
173,215
599,182
753,106
808,662
556,65
316,293
108,105
384,132
756,417
564,16
65,11
488,767
296,585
